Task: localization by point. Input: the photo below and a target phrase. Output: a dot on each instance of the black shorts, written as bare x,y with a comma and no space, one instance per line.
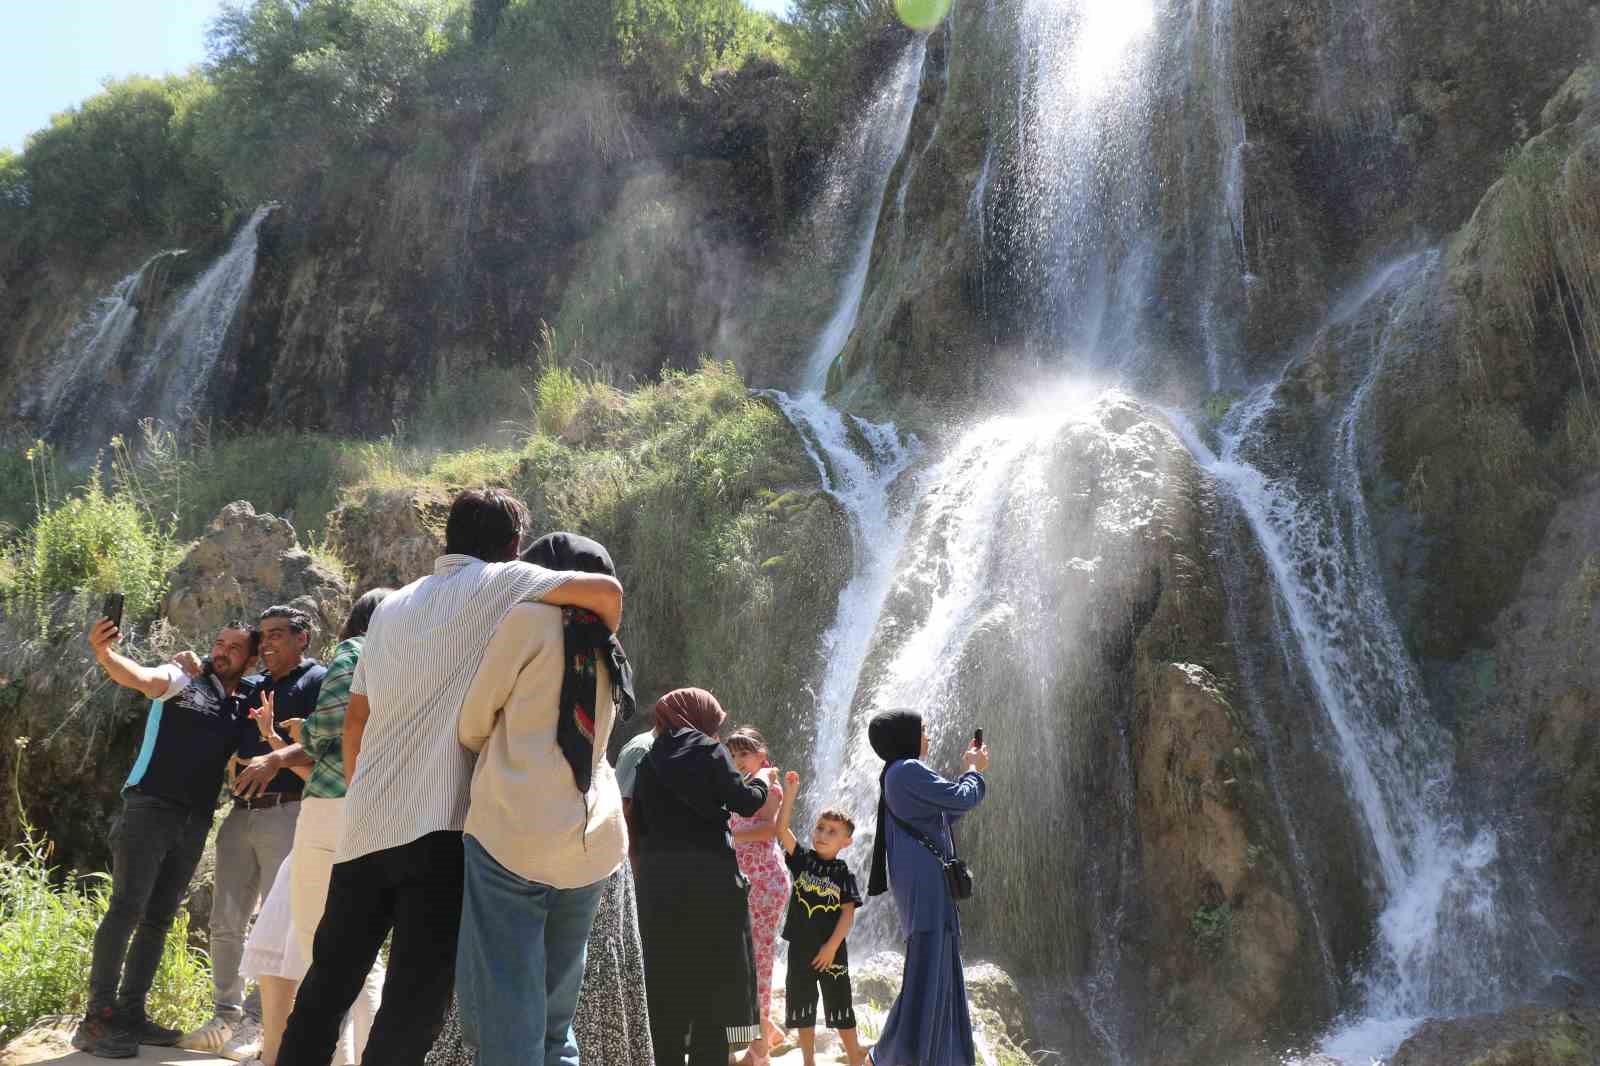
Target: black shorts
801,987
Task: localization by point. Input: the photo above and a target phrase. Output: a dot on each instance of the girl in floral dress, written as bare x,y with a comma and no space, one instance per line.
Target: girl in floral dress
755,843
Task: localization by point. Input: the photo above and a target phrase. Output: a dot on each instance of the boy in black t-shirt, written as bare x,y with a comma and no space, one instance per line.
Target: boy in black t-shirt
821,910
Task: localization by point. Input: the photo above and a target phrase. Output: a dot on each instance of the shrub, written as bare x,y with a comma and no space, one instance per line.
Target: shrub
47,927
96,542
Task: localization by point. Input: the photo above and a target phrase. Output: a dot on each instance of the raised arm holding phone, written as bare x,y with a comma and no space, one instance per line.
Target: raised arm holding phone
191,731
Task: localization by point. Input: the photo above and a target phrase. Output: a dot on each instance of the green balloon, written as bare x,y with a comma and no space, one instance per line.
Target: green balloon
922,14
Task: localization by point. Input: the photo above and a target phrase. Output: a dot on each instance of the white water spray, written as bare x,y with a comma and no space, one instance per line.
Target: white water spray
1445,942
185,353
83,362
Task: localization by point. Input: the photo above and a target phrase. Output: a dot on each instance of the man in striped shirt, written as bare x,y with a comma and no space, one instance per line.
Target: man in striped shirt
399,866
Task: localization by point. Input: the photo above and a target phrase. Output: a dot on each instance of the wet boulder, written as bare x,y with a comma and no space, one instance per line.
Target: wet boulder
1527,1036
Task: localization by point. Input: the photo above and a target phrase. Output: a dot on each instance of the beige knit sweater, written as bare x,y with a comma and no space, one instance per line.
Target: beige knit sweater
526,809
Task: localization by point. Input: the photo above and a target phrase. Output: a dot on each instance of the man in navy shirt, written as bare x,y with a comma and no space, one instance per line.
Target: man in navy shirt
258,833
194,727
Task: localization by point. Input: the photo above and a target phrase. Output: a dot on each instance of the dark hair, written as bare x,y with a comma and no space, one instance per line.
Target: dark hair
834,814
360,617
486,524
248,630
299,621
746,738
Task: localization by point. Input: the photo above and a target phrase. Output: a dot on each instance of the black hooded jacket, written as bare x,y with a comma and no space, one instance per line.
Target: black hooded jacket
686,787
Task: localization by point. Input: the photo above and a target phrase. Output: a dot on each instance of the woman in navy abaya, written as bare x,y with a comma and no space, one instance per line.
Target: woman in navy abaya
929,1024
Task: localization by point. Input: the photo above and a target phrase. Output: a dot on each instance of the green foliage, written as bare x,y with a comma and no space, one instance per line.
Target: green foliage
47,928
486,403
307,79
120,165
827,42
693,485
1209,925
557,396
668,45
96,541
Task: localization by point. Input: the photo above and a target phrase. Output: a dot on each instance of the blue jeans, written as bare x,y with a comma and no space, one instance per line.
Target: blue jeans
519,963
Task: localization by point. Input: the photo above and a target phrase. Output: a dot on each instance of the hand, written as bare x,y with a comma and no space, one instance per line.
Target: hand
976,759
189,663
256,776
824,957
263,716
769,774
293,726
791,780
102,635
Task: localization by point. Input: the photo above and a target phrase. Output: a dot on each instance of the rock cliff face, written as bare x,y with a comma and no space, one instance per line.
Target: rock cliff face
1123,651
638,240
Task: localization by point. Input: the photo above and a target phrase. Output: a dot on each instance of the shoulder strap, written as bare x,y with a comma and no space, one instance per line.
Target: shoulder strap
923,838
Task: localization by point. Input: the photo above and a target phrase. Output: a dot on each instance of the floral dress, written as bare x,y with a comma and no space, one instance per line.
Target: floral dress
761,862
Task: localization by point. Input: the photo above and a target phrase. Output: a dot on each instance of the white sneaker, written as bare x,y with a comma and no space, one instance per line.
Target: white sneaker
245,1043
210,1037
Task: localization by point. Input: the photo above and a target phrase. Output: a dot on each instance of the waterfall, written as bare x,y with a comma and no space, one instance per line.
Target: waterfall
1446,938
81,365
1089,109
180,362
858,461
1225,273
851,204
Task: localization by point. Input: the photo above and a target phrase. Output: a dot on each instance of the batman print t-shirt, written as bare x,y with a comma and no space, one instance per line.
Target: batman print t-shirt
821,889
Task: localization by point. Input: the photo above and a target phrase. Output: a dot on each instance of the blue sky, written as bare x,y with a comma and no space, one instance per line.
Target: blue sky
55,53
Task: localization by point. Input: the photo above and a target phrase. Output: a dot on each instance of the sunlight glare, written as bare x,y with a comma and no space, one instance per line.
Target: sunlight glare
1108,29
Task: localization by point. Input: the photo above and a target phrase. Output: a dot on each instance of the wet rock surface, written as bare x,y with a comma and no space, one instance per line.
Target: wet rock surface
1528,1036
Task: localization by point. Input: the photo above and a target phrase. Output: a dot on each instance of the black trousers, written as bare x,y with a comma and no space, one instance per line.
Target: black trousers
699,968
414,890
154,849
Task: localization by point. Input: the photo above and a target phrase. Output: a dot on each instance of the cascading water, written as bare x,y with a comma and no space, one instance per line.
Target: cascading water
79,370
1446,938
1088,109
1224,274
185,353
848,214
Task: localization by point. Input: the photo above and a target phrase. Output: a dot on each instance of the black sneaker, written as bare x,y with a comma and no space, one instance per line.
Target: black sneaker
141,1030
100,1035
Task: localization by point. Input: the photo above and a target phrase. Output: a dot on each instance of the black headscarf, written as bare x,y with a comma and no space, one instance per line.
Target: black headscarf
587,640
894,735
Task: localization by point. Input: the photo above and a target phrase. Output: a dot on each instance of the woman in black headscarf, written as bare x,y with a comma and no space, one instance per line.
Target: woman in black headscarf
929,1024
611,1024
693,901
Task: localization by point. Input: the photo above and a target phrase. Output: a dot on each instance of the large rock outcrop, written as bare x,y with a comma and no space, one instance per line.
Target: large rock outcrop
1130,839
244,563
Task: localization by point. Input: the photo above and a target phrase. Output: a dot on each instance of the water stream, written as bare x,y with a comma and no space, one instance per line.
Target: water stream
1447,941
81,366
858,461
181,360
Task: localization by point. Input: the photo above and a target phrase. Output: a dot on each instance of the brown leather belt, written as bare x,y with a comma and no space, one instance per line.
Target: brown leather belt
268,799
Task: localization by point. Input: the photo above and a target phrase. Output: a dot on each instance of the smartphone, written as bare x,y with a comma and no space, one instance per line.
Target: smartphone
112,608
977,737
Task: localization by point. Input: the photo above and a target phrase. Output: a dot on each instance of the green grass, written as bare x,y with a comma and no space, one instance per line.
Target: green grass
47,926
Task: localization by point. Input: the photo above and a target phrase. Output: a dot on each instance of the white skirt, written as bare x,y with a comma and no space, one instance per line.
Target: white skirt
272,949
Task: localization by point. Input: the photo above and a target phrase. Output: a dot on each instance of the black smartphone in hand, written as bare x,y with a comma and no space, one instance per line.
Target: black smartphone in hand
112,608
977,737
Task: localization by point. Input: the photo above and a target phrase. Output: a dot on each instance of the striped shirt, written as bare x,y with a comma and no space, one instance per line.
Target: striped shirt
322,733
423,647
